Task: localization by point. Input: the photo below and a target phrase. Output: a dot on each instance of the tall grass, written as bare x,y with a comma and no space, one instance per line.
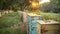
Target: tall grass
52,16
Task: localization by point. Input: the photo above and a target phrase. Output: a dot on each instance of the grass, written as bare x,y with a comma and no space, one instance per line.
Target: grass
11,31
52,16
47,16
10,19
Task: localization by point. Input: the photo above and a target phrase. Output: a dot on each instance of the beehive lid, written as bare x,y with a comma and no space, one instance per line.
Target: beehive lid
33,14
48,22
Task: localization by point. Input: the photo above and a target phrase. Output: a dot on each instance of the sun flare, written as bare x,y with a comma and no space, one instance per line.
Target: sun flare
44,1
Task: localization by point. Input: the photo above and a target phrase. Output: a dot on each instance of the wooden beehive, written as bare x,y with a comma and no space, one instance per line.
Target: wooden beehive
34,27
49,28
38,29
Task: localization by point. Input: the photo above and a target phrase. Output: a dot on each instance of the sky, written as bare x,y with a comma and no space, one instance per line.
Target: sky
43,1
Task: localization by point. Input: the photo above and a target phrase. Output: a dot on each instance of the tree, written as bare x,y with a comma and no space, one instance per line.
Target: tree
53,6
23,4
13,4
4,4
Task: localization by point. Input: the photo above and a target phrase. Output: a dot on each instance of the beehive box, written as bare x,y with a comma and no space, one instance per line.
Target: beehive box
49,27
34,27
38,29
52,29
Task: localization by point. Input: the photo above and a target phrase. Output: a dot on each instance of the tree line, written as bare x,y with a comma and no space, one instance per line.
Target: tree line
52,6
13,4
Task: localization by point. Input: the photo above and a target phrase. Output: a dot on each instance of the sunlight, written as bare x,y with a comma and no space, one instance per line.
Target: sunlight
34,5
44,1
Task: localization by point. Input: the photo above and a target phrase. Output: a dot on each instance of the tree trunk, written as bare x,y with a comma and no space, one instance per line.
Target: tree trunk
22,8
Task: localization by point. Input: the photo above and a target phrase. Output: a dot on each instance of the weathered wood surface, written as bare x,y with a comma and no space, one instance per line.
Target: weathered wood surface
38,30
51,29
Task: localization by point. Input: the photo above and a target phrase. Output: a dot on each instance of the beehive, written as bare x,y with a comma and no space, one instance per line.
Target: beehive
49,27
34,27
38,29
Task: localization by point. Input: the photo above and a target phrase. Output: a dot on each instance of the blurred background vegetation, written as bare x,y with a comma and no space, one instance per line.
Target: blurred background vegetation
52,6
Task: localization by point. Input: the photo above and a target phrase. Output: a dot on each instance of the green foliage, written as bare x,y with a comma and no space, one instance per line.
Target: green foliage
52,16
9,20
47,16
53,5
13,4
11,31
39,12
8,31
4,4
